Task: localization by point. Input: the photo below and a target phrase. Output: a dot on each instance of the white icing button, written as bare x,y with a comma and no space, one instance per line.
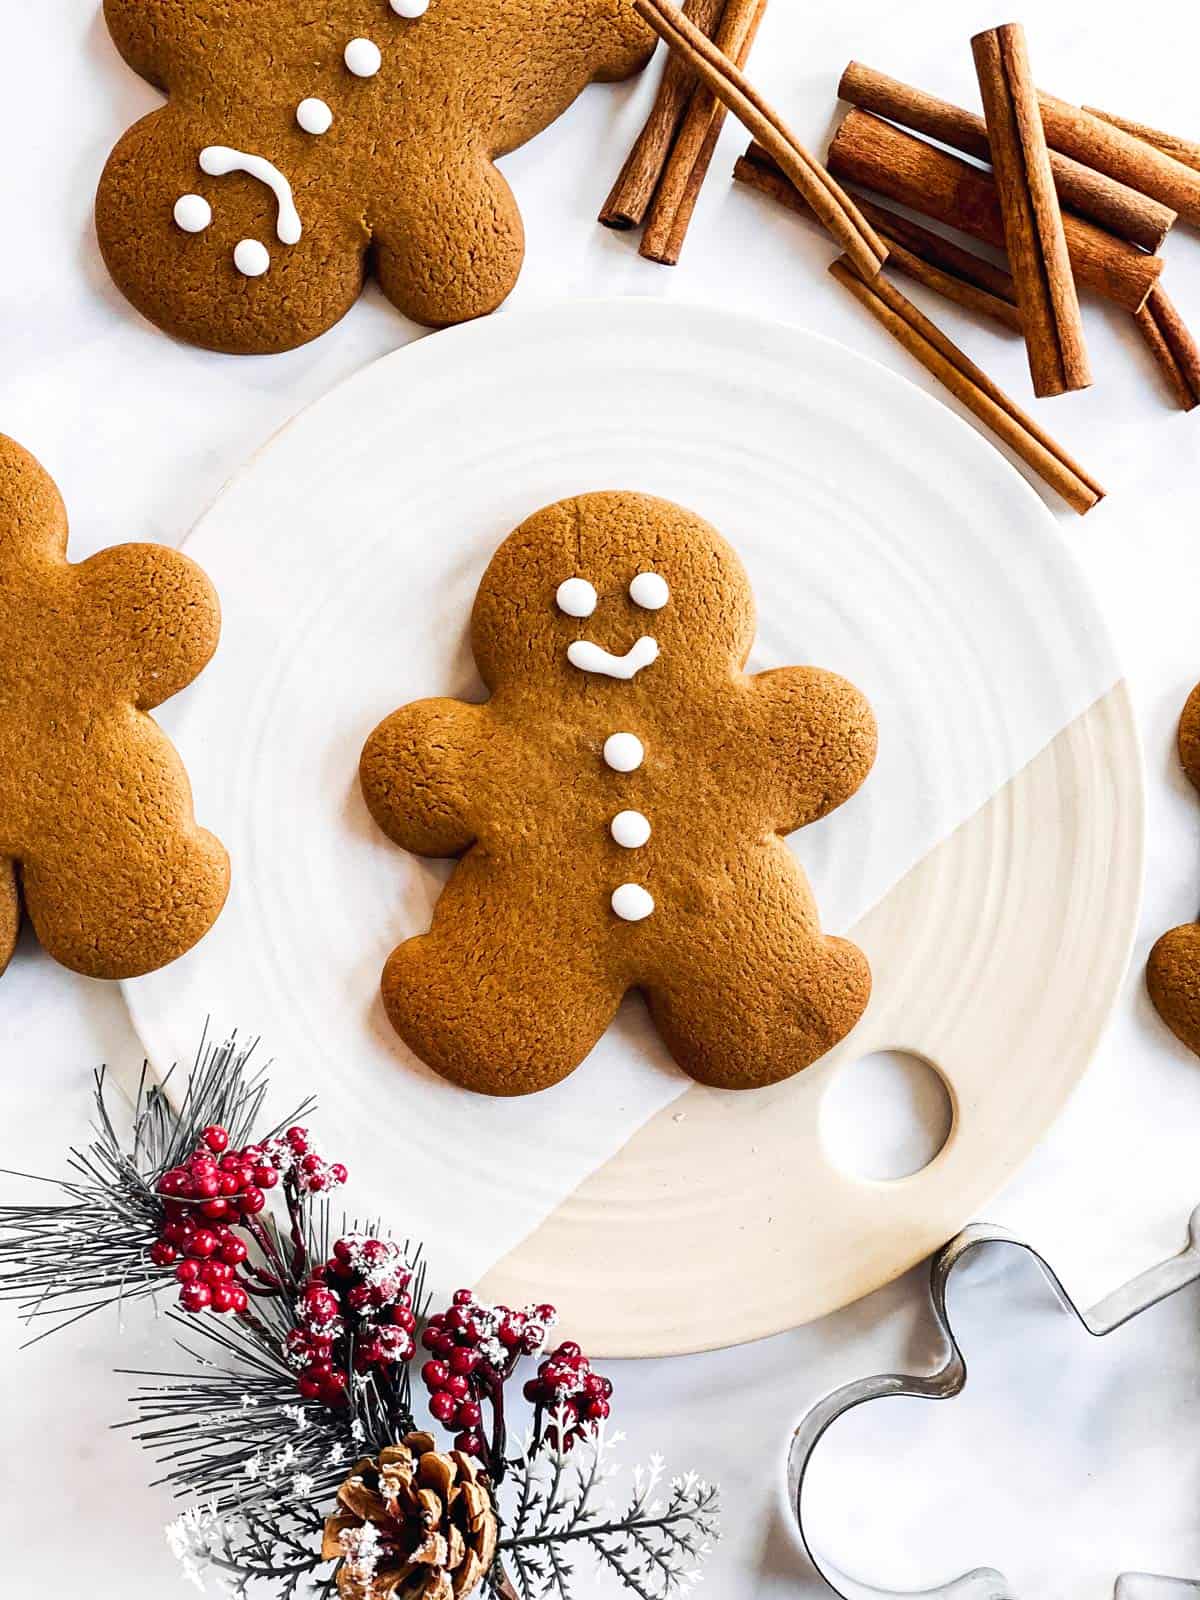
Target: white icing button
624,752
363,58
192,213
630,829
251,258
410,8
314,116
576,598
650,591
632,903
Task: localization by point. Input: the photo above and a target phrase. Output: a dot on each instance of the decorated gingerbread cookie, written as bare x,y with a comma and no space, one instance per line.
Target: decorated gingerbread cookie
306,143
1173,970
96,824
619,806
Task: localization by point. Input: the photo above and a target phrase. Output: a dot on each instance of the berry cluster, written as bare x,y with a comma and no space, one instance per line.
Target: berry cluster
571,1392
474,1348
217,1190
355,1310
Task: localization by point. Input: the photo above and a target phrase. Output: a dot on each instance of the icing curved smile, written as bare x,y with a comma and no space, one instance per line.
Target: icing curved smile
589,657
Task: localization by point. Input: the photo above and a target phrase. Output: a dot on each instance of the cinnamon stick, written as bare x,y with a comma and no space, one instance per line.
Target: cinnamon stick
833,207
633,191
968,383
1172,347
1033,224
1101,199
968,280
692,153
1185,150
878,156
1130,160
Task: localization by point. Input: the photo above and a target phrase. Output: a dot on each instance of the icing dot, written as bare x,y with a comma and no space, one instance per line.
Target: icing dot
576,598
649,590
632,903
251,258
624,752
630,829
192,213
363,58
410,8
314,116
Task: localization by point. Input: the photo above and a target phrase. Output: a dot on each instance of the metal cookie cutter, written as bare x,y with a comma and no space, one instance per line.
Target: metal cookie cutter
984,1583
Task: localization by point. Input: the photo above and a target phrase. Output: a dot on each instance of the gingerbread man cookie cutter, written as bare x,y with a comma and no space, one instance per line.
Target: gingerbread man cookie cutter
1130,1300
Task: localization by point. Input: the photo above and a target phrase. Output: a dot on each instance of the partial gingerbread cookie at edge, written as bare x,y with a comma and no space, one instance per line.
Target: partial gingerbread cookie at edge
1173,967
619,806
95,806
306,144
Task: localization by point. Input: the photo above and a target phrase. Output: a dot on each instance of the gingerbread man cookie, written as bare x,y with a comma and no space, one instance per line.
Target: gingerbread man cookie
306,143
619,806
1173,970
96,824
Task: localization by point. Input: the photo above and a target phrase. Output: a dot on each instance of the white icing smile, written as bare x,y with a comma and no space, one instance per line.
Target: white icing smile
218,160
589,657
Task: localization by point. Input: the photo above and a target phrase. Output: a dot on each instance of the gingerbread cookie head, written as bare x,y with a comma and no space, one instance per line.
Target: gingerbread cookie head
609,585
619,806
305,145
97,836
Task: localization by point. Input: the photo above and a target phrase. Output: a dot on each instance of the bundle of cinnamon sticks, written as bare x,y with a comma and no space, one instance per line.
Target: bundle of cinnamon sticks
1076,198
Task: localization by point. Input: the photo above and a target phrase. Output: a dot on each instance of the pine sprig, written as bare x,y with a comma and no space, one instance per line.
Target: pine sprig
65,1261
654,1546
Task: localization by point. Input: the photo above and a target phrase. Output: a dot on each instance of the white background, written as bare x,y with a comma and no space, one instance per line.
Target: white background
140,435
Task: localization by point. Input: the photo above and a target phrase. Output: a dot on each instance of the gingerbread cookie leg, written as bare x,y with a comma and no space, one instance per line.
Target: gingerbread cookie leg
504,1003
10,912
750,991
452,245
134,883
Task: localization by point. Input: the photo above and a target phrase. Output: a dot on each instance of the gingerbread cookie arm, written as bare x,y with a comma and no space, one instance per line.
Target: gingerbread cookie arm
133,882
151,619
746,990
153,35
1189,737
450,243
10,912
815,738
419,771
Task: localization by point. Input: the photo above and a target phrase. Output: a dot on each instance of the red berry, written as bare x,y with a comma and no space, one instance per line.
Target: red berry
456,1386
309,1387
458,1320
359,1298
434,1374
251,1202
333,1388
568,1352
319,1306
180,1233
233,1252
509,1334
230,1184
202,1165
545,1313
470,1414
443,1406
173,1182
217,1210
463,1297
163,1254
403,1317
195,1297
298,1139
239,1297
188,1272
266,1177
471,1444
597,1410
533,1392
464,1361
338,1172
203,1244
223,1297
216,1272
215,1138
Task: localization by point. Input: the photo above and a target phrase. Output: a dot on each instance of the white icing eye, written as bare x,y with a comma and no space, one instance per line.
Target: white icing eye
576,598
192,213
314,116
624,752
650,591
630,829
410,8
251,258
363,57
632,903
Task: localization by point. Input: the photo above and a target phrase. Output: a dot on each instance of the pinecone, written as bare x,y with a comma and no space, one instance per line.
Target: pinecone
415,1524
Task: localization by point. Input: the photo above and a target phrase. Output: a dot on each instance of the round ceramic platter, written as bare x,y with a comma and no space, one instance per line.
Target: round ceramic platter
990,867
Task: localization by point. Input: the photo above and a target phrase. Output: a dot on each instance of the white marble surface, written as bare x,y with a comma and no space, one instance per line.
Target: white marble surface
141,433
